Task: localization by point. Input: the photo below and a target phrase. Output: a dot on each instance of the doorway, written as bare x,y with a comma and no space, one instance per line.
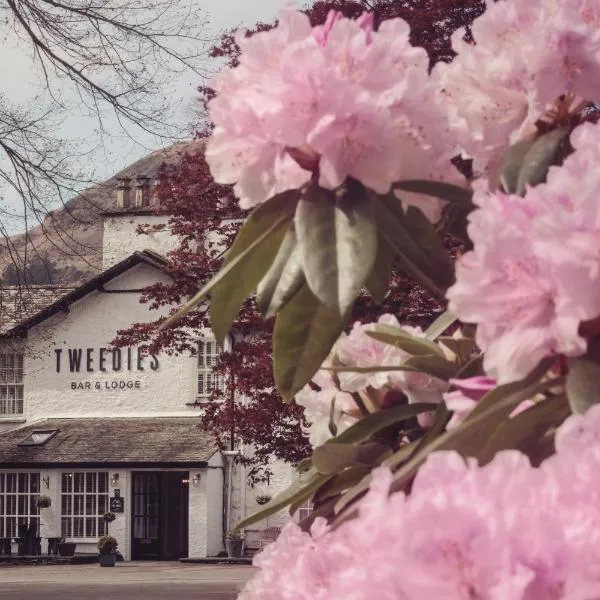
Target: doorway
159,515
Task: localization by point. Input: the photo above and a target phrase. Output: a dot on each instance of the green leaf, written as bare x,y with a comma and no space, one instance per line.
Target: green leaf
523,431
440,325
413,259
461,347
438,189
304,333
427,237
337,236
227,276
436,366
583,380
330,459
366,428
380,276
540,157
472,368
512,163
299,491
228,294
283,278
341,482
400,338
469,438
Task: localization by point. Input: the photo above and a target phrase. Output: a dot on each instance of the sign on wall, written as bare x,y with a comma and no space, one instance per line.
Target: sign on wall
105,360
117,504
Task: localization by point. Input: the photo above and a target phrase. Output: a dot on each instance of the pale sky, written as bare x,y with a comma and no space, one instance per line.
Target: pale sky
115,151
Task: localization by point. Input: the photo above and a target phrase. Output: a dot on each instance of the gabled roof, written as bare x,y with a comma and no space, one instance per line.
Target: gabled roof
61,304
110,442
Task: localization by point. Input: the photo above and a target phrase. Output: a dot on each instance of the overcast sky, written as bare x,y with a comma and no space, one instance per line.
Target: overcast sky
116,151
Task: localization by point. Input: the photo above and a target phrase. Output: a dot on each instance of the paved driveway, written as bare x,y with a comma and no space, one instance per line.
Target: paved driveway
144,581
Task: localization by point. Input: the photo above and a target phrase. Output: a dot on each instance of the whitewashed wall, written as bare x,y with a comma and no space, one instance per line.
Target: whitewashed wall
120,239
91,324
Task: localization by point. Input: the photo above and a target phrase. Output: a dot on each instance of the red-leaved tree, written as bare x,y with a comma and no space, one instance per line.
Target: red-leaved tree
197,208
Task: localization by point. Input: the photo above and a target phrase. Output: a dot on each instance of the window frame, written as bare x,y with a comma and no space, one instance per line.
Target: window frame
69,504
32,513
12,379
204,370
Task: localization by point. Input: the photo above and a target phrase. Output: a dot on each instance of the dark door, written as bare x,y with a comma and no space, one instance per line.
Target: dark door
160,515
146,509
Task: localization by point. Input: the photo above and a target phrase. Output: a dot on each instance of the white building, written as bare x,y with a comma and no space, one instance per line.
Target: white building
95,428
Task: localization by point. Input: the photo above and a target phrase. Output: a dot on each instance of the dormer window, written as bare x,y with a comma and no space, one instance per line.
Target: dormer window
11,384
38,437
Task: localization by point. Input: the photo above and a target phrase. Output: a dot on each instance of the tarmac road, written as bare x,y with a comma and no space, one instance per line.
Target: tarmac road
131,580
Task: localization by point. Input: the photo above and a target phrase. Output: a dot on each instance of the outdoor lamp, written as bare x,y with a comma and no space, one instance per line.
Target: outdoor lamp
196,480
115,480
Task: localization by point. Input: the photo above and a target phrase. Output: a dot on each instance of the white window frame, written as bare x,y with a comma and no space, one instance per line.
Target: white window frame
83,503
11,383
18,494
305,510
205,362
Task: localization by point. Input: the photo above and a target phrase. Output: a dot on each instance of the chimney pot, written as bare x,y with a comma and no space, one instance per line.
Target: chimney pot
142,192
123,192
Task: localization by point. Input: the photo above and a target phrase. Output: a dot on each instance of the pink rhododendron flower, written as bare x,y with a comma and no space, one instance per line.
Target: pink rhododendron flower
359,102
527,54
324,406
505,531
465,396
359,350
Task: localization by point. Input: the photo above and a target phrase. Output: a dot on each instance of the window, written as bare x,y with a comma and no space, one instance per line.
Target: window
38,437
84,499
18,492
11,384
305,510
208,357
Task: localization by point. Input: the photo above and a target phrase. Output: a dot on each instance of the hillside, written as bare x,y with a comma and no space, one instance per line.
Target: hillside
66,247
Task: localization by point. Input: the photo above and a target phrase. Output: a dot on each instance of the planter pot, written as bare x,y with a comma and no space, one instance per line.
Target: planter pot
108,560
66,548
234,548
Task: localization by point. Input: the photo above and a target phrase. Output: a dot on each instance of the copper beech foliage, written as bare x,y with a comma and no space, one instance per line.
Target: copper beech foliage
197,206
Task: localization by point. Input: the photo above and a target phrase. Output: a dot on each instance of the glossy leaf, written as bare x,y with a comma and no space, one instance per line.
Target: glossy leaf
438,189
299,491
512,163
400,338
461,347
470,437
380,276
413,259
304,333
228,274
583,380
329,459
337,236
436,365
283,279
440,325
540,157
366,428
523,431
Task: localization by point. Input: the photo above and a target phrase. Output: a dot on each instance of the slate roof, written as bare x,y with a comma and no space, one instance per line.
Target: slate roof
26,314
110,442
20,302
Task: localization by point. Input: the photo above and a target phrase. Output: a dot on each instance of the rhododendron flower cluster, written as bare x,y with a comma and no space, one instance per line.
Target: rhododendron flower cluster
357,349
505,531
340,99
527,54
534,274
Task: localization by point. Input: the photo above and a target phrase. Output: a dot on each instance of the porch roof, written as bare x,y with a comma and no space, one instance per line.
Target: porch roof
108,442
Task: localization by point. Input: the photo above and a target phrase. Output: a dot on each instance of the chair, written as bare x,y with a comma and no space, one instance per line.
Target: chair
270,534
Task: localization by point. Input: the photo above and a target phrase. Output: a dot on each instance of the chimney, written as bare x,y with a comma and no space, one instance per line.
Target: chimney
123,189
142,192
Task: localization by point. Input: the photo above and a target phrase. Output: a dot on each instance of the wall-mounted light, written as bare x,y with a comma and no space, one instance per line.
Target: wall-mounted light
196,480
46,481
115,480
